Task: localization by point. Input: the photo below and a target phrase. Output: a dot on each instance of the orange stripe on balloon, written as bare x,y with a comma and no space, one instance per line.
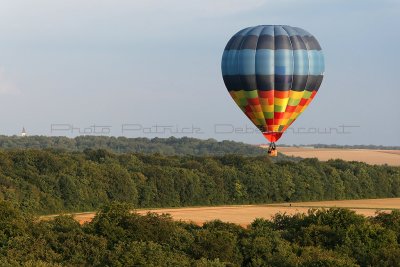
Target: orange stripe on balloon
281,94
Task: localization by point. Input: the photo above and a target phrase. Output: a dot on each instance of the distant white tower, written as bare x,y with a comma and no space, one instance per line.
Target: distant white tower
23,133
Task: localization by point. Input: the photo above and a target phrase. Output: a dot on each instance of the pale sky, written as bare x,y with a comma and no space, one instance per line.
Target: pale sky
137,64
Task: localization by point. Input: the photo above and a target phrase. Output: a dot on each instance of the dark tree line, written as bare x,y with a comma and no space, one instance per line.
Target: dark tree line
356,146
118,237
52,181
165,146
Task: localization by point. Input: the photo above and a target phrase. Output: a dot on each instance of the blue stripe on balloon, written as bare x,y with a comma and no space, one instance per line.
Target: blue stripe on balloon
316,62
244,31
230,60
268,30
279,31
256,31
224,62
290,31
283,59
265,62
301,31
308,62
301,63
247,59
268,62
273,30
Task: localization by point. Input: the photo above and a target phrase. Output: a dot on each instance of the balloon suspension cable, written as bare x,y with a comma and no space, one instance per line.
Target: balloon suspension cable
272,146
272,149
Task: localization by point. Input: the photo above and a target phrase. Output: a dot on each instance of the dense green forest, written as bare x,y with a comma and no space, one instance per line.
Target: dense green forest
50,181
165,146
74,177
118,237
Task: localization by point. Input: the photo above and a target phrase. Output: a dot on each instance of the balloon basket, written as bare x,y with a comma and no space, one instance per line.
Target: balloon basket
273,153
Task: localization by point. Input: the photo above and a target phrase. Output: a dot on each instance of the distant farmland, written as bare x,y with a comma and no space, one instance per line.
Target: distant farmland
245,214
370,156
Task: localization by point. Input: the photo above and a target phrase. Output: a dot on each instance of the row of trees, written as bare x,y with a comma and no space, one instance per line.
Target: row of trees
165,146
355,146
48,181
117,237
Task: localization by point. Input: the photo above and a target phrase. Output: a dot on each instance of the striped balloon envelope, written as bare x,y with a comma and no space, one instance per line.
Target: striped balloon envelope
272,73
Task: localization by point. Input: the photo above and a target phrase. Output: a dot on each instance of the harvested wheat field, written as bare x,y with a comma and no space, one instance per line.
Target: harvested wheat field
370,156
245,214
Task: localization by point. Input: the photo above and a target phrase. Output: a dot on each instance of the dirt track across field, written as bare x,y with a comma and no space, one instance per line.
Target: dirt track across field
245,214
370,156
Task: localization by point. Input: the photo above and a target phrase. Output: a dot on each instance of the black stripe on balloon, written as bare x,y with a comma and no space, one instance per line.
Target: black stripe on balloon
283,82
249,42
311,42
297,43
269,42
249,82
232,82
299,82
318,82
266,42
235,42
265,82
228,45
313,82
240,82
270,82
282,42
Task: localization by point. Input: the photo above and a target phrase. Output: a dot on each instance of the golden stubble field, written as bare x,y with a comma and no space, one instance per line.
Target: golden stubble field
370,156
245,214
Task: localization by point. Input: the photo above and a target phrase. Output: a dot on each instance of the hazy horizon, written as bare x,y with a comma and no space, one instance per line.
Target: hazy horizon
152,68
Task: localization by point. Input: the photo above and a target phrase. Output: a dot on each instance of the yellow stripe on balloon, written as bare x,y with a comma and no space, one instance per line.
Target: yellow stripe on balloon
267,108
283,122
281,101
275,128
295,94
259,115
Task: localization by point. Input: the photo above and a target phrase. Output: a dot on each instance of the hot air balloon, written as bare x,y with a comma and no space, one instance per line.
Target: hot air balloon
272,72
